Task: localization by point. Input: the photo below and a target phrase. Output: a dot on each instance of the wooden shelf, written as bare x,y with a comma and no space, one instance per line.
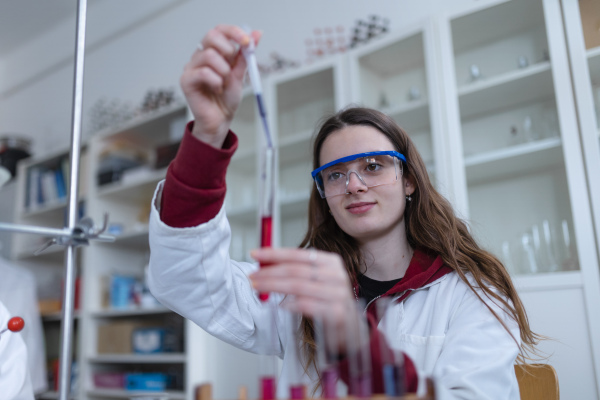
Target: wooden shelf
513,160
163,358
126,394
506,90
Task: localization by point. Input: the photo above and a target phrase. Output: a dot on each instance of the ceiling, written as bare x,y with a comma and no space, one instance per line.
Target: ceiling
23,20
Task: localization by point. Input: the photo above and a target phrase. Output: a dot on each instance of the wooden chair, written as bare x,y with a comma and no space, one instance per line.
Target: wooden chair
537,382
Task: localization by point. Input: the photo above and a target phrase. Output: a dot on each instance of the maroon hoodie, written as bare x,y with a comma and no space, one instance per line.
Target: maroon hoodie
194,192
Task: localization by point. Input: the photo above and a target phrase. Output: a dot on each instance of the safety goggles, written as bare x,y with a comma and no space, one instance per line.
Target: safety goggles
372,169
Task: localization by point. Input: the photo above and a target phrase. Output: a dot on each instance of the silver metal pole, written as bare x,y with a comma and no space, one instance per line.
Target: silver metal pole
66,345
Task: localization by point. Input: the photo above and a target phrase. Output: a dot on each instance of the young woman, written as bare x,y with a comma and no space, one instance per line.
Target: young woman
377,227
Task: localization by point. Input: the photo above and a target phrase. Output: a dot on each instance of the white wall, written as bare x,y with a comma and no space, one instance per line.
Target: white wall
137,45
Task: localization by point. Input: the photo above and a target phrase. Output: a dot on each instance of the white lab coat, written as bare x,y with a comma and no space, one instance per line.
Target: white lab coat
445,329
15,382
18,293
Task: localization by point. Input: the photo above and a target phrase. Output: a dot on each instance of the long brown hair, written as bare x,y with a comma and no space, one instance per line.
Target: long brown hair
431,224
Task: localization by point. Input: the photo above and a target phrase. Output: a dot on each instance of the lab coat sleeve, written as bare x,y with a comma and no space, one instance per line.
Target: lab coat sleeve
15,381
190,272
478,355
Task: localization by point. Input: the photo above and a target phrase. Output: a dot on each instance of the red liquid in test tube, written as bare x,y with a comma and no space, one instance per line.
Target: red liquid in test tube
297,392
267,388
266,234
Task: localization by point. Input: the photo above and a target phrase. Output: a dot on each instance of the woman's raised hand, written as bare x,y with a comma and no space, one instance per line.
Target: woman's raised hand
317,280
212,81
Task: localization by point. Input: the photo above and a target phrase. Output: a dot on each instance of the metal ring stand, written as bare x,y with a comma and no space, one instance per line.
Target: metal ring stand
76,233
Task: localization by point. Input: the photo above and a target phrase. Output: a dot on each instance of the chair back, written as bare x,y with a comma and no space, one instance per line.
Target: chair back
537,382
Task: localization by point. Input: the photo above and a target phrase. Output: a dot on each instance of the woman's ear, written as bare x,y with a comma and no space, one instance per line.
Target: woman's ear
409,184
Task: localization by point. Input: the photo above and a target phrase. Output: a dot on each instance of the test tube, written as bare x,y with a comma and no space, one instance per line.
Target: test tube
266,204
392,362
297,388
267,365
327,350
358,352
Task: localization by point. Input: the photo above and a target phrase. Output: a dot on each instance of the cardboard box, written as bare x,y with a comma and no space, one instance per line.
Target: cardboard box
590,21
115,337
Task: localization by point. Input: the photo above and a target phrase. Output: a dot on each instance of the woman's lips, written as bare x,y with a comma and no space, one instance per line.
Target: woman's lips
359,208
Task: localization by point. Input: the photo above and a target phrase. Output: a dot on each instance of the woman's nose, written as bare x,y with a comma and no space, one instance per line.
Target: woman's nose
354,183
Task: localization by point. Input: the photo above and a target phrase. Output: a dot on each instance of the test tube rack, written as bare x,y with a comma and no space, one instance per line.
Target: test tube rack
204,392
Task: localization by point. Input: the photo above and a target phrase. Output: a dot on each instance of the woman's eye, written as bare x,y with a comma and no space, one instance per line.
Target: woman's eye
373,167
333,176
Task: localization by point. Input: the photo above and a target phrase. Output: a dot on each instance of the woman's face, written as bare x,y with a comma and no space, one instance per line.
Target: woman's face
365,213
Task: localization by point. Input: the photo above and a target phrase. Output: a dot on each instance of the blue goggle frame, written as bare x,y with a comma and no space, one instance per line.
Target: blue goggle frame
315,174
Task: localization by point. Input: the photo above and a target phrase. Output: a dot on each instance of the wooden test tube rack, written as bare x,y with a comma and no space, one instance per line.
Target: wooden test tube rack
204,392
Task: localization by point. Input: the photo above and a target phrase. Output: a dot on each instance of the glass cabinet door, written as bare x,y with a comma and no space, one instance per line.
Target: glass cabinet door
582,27
301,99
518,192
390,75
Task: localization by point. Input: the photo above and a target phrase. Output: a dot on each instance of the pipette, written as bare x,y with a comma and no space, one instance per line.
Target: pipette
267,173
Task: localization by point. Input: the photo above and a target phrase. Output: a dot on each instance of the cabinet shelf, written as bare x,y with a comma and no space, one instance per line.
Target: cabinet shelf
138,186
548,281
294,205
57,316
513,160
153,124
46,209
246,214
134,239
296,147
115,313
52,254
126,394
410,116
506,90
594,53
51,395
244,159
164,358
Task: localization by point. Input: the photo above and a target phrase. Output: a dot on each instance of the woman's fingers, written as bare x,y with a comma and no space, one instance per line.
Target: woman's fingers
310,256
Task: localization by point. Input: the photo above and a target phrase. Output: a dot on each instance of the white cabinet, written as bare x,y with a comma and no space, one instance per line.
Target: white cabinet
527,198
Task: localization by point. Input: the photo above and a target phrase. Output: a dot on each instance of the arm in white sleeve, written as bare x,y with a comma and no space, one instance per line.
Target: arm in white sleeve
191,273
478,355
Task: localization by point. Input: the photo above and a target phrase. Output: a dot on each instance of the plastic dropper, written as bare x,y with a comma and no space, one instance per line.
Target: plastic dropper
267,173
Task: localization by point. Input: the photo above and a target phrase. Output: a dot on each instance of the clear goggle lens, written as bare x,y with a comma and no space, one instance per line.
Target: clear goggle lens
370,171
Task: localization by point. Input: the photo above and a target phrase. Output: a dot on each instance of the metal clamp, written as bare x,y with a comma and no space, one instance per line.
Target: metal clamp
84,231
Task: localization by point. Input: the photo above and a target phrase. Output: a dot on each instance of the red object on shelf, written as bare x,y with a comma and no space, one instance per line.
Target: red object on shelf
109,380
266,235
16,324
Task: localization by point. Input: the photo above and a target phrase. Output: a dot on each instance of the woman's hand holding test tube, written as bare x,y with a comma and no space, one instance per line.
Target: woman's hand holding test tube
212,81
317,280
